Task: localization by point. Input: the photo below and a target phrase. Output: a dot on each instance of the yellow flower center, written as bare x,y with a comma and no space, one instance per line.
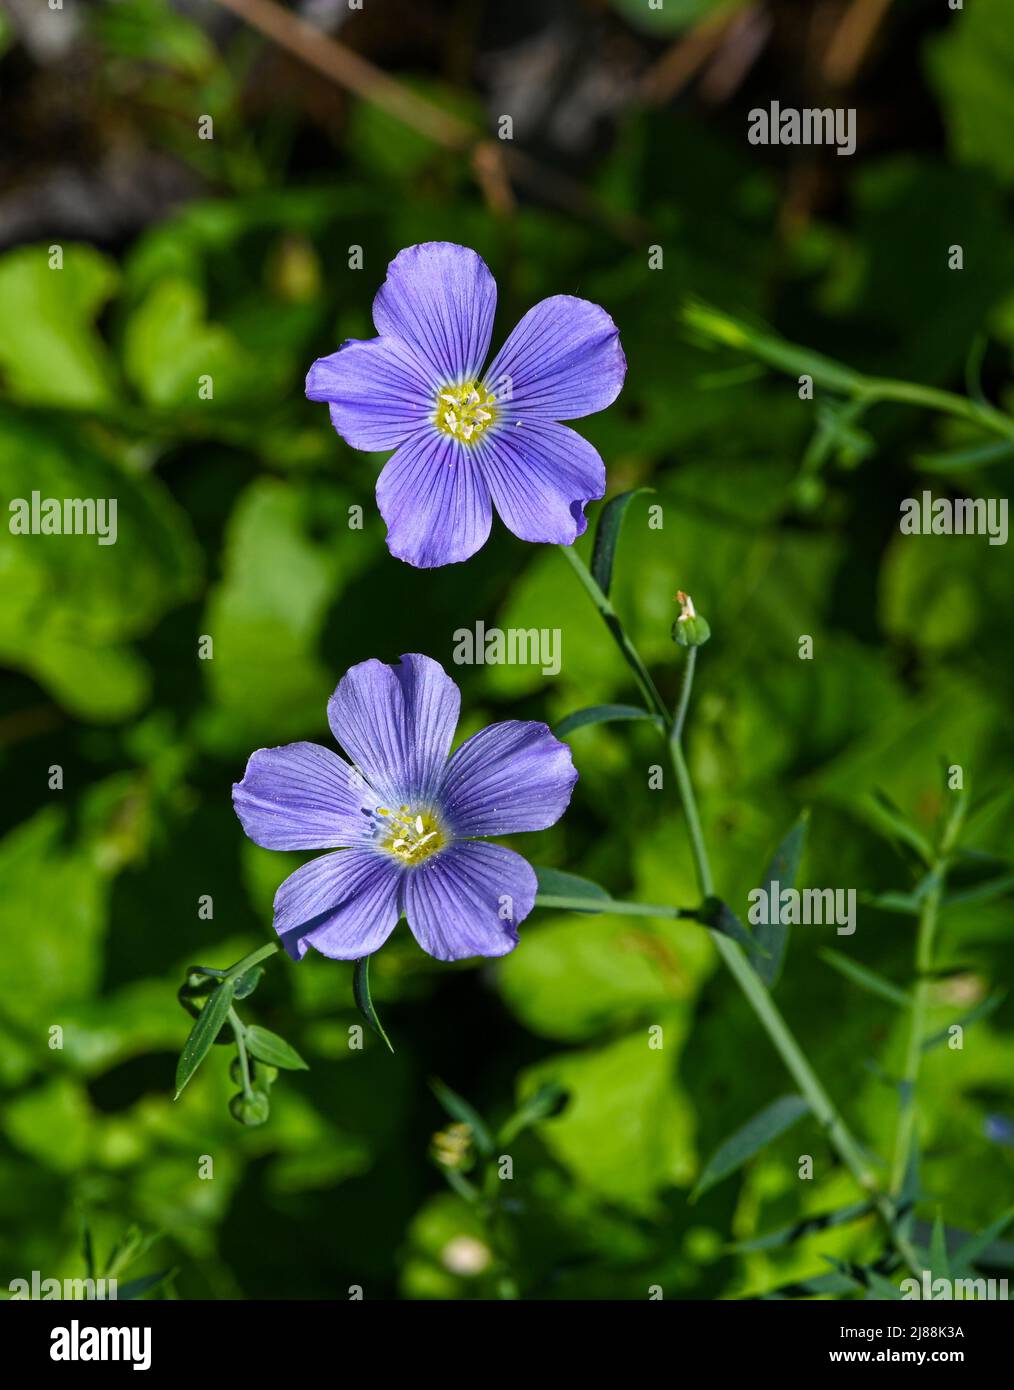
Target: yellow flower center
465,411
411,836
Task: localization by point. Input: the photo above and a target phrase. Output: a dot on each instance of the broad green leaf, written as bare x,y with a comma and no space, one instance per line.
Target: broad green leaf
170,349
866,979
269,1047
267,677
607,534
364,1000
459,1109
770,939
50,352
971,66
603,714
203,1034
771,1122
72,605
627,1132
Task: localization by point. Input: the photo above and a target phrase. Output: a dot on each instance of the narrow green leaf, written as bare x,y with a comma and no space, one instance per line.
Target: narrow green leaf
269,1047
203,1034
87,1248
975,1247
459,1109
881,1288
982,1010
891,821
603,714
364,1000
958,460
771,938
940,1267
865,978
607,533
137,1288
982,892
547,1100
799,1230
755,1135
554,883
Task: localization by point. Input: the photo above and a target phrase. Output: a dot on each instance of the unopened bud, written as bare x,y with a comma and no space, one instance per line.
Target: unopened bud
689,629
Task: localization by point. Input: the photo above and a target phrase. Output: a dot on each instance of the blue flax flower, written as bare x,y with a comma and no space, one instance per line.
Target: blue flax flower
404,817
465,439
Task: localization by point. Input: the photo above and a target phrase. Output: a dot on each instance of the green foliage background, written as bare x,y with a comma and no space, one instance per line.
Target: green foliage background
233,522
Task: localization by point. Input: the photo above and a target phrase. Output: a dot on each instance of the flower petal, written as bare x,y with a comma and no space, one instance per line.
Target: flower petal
397,724
563,360
509,776
378,391
300,796
344,904
541,474
435,501
468,900
440,299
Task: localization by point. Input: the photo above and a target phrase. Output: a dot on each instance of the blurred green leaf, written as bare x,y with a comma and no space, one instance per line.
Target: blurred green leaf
767,1125
866,979
770,939
50,352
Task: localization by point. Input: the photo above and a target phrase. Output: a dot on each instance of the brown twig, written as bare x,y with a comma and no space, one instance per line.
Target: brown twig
852,38
340,64
491,164
681,63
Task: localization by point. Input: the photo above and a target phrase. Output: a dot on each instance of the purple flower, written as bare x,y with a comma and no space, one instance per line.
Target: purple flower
465,439
403,817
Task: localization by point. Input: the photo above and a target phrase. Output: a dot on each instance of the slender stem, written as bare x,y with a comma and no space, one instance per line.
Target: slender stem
756,993
679,718
239,1033
875,389
925,938
254,958
612,621
597,905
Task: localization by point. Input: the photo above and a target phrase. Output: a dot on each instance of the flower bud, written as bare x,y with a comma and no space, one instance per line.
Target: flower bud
689,629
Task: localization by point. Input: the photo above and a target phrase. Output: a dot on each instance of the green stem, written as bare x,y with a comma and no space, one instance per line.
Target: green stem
679,718
612,621
878,389
239,1033
596,905
924,942
254,958
754,990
